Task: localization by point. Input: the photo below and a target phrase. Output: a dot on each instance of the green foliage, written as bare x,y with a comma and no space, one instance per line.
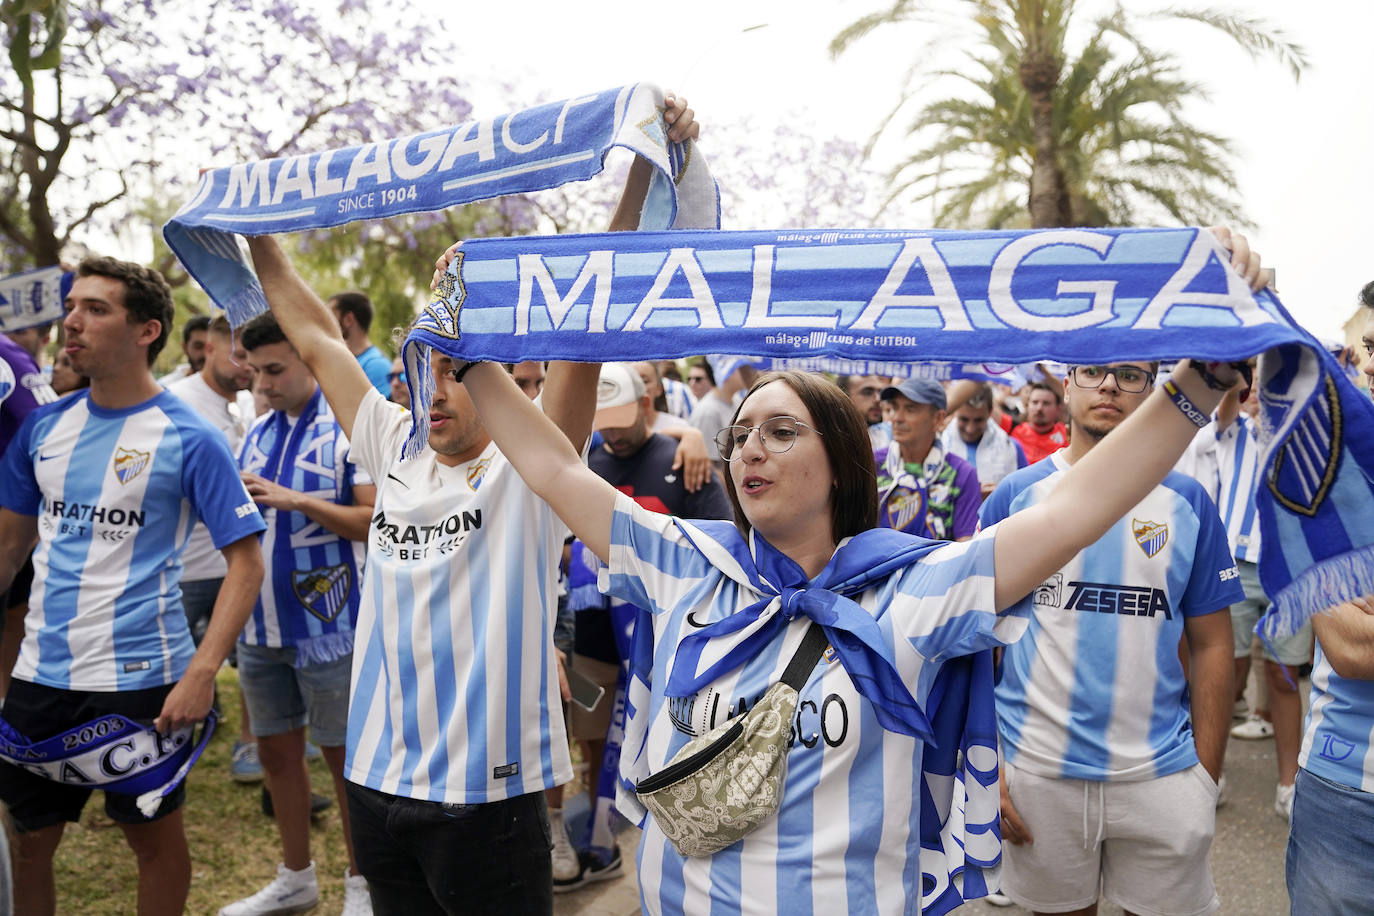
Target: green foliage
1123,151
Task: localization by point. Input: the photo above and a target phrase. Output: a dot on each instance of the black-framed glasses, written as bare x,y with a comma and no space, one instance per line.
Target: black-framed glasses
777,435
1130,379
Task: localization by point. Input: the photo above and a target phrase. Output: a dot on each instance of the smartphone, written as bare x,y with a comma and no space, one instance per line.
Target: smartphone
585,691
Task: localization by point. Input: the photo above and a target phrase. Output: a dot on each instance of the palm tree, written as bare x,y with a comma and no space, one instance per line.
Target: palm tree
1090,139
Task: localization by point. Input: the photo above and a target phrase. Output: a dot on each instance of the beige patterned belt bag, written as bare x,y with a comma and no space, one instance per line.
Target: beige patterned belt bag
722,785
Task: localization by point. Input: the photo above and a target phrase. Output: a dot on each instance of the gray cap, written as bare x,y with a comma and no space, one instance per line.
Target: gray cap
920,390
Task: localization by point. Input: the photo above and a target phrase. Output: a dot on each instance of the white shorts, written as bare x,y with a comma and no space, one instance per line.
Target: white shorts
1142,845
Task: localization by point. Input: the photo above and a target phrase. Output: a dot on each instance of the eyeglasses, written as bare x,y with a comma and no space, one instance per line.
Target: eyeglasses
1130,379
777,435
396,376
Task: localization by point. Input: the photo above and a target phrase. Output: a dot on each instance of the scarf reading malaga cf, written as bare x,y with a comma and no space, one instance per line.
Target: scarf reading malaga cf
529,150
1070,295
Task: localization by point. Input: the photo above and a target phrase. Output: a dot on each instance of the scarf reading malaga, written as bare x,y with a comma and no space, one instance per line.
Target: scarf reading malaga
528,150
887,296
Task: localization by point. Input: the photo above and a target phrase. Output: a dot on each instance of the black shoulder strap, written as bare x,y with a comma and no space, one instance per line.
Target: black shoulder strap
804,662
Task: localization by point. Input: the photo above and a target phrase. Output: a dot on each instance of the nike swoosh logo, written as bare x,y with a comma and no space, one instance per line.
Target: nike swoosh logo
398,480
48,457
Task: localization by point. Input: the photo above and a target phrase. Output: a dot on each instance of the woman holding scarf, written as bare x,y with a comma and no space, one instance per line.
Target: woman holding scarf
889,791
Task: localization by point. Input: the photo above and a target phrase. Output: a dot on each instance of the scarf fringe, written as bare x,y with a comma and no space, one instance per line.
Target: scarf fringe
321,650
247,303
1324,585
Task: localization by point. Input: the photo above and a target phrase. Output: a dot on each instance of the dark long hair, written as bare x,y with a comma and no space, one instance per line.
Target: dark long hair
844,434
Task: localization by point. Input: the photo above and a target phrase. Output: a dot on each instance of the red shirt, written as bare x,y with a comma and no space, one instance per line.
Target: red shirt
1038,445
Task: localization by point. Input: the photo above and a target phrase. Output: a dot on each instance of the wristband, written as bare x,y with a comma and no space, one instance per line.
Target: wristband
458,376
1189,409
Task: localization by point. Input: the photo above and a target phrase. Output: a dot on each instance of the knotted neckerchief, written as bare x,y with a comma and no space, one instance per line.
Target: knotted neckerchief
859,563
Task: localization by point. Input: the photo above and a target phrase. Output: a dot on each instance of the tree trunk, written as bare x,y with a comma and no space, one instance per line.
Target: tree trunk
1048,201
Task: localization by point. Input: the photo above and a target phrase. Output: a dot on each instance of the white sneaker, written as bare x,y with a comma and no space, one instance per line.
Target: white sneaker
290,892
997,899
357,900
1254,728
565,864
1240,710
1283,802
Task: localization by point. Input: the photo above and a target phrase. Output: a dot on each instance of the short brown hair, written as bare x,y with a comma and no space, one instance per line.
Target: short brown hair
854,507
147,297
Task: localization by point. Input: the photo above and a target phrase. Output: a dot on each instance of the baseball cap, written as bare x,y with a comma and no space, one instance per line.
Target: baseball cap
617,396
920,390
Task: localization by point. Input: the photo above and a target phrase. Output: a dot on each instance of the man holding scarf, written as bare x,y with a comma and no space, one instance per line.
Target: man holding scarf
451,738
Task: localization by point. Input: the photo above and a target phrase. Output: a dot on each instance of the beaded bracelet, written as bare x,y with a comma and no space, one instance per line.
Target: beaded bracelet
458,376
1189,409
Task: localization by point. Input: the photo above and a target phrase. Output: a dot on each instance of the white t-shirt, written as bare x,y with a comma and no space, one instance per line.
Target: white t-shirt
453,670
232,418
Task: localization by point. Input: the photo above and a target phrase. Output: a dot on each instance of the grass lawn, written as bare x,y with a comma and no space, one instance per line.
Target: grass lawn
234,847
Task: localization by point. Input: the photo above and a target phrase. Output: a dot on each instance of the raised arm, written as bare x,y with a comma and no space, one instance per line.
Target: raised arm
312,330
1116,474
543,455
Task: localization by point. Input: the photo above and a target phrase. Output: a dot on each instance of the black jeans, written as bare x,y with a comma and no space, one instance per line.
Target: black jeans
422,857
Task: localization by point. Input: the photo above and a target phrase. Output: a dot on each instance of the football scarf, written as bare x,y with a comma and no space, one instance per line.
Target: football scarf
1070,295
528,150
111,753
33,297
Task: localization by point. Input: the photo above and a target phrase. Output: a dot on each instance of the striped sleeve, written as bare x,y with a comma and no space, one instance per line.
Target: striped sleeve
651,565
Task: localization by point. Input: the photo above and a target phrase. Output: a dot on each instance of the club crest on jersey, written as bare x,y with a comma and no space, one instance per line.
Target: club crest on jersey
904,507
129,463
1151,536
324,591
1305,463
477,472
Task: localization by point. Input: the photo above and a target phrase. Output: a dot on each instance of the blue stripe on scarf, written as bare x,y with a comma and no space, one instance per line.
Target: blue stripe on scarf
529,150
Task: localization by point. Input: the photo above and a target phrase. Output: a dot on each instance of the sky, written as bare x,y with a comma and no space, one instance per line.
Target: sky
1305,176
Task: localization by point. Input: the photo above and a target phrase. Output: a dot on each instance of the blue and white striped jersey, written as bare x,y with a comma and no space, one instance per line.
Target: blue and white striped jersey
116,493
680,399
1338,741
846,837
1095,689
311,587
453,670
1236,463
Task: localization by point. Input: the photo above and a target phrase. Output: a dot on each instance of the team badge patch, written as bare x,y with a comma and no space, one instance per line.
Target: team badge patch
1151,536
904,507
129,463
324,591
447,300
477,472
1305,463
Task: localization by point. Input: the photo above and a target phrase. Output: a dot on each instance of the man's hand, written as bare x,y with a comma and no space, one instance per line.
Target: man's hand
187,703
267,493
681,120
692,458
1014,830
563,689
1245,261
